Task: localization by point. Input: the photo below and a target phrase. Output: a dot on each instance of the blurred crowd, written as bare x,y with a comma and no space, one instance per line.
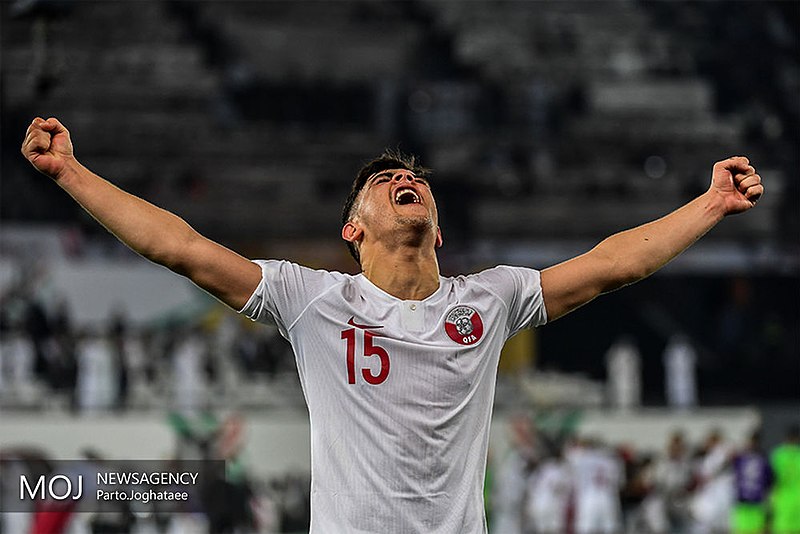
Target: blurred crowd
543,484
236,503
48,362
551,485
209,356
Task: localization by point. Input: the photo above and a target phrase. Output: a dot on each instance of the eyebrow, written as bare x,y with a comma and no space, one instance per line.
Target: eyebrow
390,173
378,175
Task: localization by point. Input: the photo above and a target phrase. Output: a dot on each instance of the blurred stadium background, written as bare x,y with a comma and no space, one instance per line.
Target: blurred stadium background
549,125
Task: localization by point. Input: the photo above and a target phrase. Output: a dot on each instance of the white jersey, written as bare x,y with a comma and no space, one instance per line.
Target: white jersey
399,392
598,477
712,501
549,495
623,362
679,363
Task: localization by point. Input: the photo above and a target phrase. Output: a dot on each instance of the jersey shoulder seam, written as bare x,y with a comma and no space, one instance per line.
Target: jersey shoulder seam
311,302
492,292
495,295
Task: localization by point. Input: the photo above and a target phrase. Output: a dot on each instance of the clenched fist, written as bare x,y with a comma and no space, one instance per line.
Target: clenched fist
47,146
737,183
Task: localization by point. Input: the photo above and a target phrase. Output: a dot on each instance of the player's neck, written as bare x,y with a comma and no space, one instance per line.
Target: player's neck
408,273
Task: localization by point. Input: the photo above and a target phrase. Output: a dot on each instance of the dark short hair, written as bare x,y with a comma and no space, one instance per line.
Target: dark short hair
390,159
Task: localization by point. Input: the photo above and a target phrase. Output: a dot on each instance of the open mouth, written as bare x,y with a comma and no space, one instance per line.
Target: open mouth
406,195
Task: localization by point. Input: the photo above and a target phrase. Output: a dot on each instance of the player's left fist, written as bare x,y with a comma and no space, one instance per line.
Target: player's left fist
737,183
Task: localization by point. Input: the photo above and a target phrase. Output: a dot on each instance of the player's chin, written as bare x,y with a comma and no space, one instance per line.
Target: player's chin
421,222
404,218
412,211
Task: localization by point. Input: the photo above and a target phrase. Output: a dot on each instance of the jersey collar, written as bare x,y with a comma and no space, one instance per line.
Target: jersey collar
366,284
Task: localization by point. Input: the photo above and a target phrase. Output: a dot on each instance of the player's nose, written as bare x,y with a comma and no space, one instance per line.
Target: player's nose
400,176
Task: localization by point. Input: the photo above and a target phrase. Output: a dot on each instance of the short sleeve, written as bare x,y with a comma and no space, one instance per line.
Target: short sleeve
285,291
520,289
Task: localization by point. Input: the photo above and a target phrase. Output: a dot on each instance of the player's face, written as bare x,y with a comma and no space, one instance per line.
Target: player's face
396,197
399,191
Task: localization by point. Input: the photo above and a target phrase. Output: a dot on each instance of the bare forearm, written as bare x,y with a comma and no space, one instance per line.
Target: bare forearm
629,256
156,234
639,252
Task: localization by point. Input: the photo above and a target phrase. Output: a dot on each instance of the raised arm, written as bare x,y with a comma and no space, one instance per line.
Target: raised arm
629,256
156,234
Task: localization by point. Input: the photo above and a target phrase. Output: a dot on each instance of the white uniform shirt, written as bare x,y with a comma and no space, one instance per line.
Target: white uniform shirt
598,476
549,495
679,362
399,392
97,372
624,375
188,368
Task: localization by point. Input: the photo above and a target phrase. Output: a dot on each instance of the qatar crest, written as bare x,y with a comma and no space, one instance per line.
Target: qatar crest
464,325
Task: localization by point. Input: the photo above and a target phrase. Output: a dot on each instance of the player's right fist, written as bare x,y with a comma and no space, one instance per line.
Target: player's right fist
47,146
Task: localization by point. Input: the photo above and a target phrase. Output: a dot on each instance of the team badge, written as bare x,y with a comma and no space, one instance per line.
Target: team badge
464,325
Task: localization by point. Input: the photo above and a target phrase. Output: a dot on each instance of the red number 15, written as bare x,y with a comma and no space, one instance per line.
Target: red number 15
369,350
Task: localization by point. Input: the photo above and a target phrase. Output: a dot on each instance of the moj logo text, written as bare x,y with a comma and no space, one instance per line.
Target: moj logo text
58,488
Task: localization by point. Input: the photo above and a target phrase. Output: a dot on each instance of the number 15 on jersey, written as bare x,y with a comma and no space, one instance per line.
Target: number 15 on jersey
370,349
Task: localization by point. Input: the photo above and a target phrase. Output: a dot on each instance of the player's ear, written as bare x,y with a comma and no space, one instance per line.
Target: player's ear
351,232
439,240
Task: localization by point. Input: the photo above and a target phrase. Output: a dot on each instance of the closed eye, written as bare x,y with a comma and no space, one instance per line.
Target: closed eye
382,178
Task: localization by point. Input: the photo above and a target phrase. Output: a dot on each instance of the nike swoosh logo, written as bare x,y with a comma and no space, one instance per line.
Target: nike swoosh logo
352,322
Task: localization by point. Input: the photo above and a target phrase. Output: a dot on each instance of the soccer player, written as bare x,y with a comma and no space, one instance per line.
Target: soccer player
598,477
785,462
713,498
397,363
550,487
752,479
